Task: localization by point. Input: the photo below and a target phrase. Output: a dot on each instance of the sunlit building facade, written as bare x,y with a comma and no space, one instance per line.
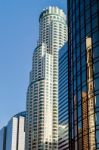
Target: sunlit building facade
42,93
15,132
83,49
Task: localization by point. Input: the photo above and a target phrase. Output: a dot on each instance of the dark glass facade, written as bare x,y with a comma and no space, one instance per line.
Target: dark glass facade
83,49
63,99
3,138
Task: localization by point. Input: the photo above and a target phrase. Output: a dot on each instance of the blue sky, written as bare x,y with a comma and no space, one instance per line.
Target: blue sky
18,37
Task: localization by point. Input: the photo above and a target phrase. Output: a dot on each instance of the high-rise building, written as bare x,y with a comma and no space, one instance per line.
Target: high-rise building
3,138
42,94
12,136
63,99
83,49
15,132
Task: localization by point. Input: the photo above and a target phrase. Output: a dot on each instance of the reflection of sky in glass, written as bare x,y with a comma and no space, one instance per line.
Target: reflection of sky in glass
63,97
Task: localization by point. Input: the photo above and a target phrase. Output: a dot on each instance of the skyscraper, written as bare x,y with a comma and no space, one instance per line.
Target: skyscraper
83,49
42,93
3,138
15,132
63,99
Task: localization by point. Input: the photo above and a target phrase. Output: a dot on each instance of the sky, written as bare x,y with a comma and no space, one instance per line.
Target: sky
19,28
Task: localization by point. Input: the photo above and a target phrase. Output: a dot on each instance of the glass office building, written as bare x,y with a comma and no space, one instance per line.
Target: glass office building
12,136
15,132
63,99
83,48
3,138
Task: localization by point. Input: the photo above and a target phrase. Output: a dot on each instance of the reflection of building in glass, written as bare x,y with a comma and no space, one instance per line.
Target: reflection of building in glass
42,94
63,99
91,97
83,49
85,120
80,139
82,132
87,134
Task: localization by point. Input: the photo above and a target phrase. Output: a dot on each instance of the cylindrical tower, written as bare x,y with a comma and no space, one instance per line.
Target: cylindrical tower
53,29
42,95
53,32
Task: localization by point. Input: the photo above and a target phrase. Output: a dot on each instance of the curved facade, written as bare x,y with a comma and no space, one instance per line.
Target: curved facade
23,114
42,94
53,29
83,24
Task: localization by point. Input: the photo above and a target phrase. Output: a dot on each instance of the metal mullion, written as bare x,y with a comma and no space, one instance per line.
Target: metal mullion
81,79
98,12
72,71
77,87
86,69
69,75
73,113
76,79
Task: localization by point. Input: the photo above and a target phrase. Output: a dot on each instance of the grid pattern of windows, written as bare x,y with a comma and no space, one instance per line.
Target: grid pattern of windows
83,31
15,133
63,99
42,100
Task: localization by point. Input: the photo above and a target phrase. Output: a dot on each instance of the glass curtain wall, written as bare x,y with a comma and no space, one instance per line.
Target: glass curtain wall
63,142
83,31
